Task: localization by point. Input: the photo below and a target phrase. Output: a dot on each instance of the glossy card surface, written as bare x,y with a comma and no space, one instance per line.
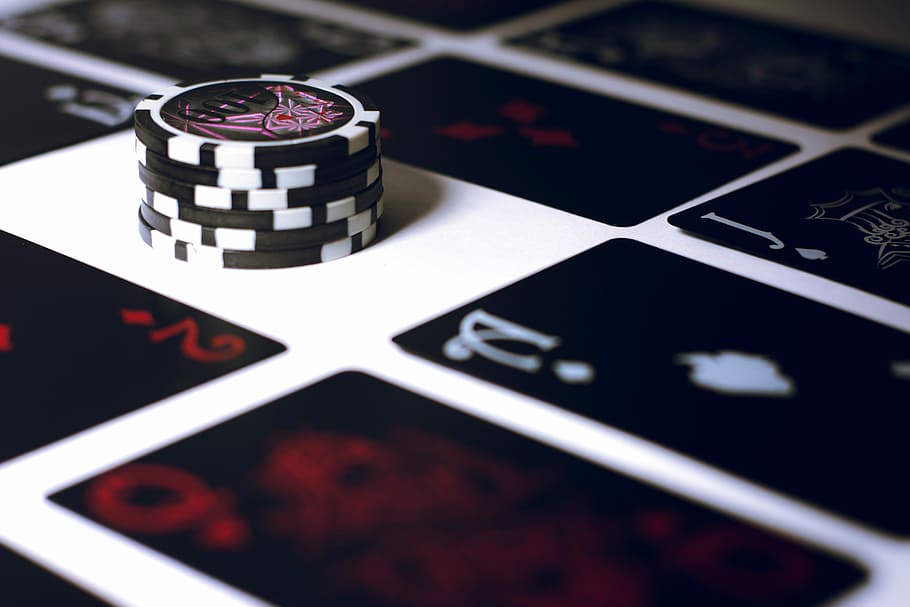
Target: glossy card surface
703,362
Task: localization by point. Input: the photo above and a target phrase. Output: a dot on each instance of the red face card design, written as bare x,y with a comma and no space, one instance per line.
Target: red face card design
356,492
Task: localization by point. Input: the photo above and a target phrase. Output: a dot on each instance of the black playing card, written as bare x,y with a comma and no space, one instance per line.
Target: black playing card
898,137
25,584
356,492
46,110
781,390
455,14
577,151
845,216
795,73
79,346
200,39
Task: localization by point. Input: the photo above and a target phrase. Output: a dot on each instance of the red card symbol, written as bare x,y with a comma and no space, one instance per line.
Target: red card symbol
521,111
137,317
715,139
518,111
551,138
469,131
153,499
6,342
221,348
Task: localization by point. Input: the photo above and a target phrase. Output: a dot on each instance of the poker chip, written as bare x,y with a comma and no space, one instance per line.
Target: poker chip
268,171
240,239
214,197
271,120
303,176
228,258
281,219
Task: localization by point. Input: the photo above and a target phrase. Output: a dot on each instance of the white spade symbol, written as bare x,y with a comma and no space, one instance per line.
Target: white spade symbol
812,254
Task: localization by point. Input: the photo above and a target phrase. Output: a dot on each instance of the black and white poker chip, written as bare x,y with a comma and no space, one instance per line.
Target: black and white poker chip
302,176
215,197
240,239
265,121
215,257
273,220
269,171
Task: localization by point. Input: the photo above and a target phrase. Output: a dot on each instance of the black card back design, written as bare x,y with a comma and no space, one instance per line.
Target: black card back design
458,14
201,39
898,137
47,109
580,152
845,216
796,73
79,347
29,585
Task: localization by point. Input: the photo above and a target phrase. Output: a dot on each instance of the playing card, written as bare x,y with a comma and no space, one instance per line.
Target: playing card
778,389
356,492
455,14
795,73
595,156
50,110
79,347
898,137
25,584
200,39
844,216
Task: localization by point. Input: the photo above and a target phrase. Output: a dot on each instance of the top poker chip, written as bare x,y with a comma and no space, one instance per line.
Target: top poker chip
265,121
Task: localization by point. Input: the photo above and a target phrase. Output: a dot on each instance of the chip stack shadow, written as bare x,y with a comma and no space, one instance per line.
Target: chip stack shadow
271,171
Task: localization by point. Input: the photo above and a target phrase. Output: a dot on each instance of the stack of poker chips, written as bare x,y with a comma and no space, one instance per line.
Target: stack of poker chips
272,171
